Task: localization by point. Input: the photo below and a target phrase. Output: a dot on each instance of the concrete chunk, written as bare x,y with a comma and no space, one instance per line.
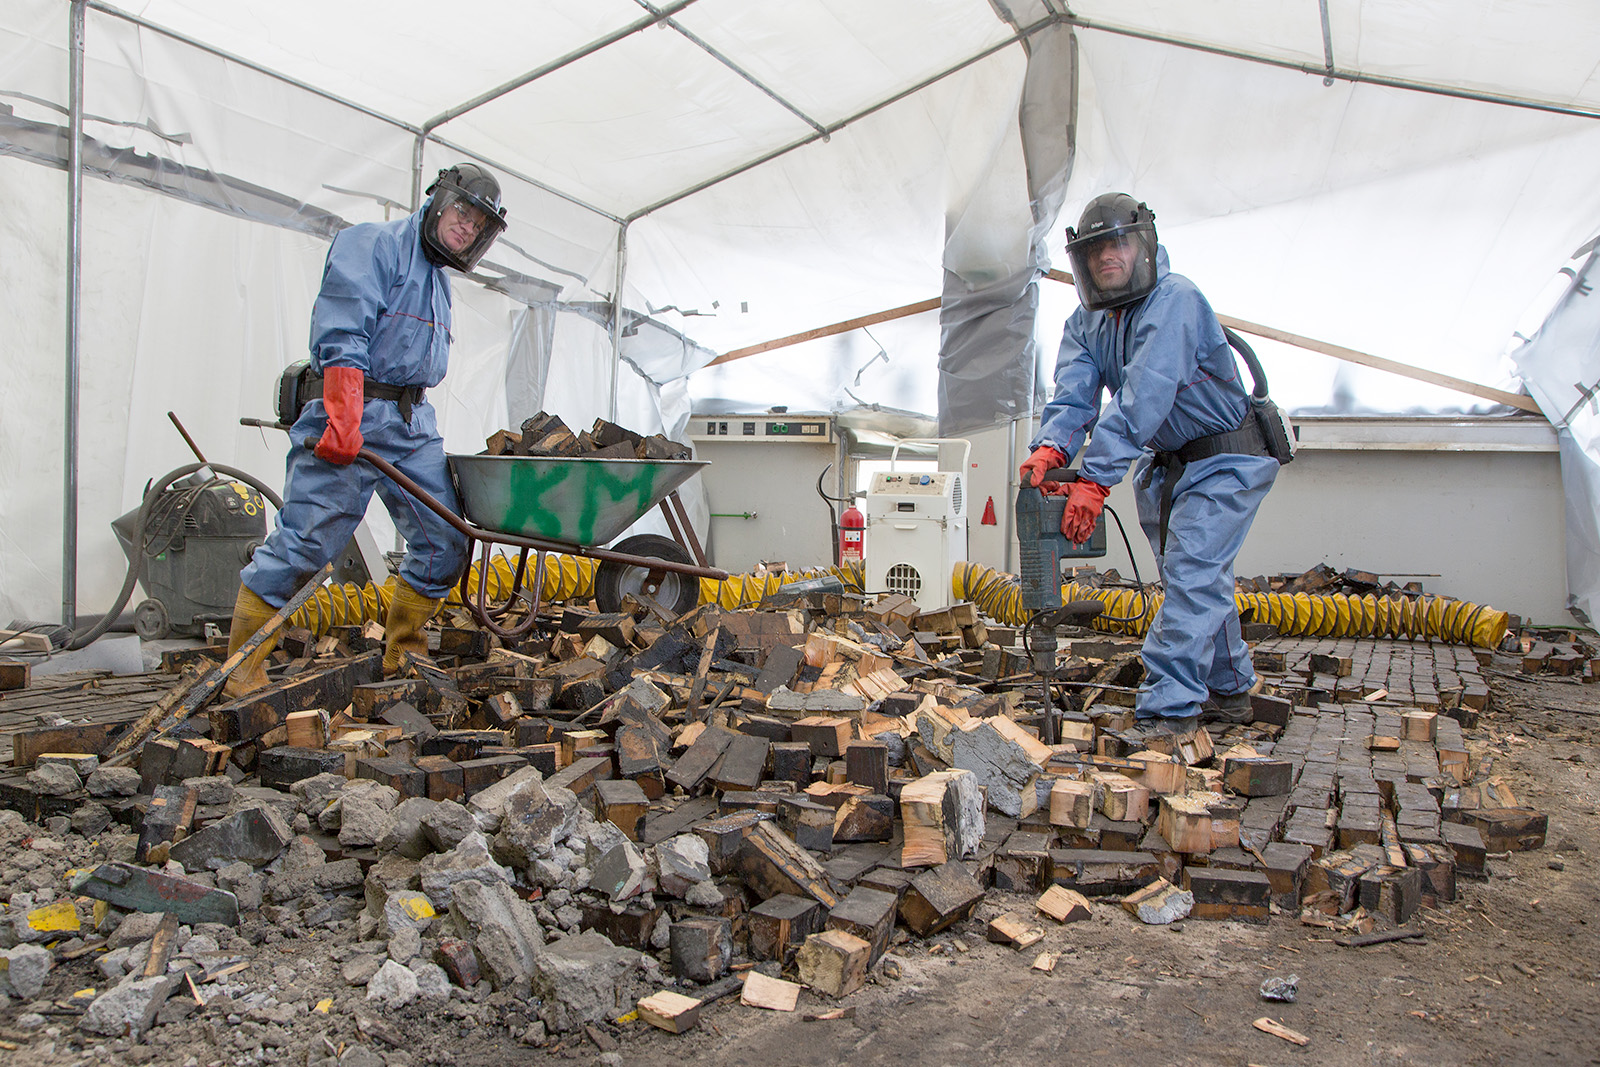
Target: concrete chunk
129,1009
254,836
684,861
503,930
585,978
394,985
533,821
26,967
469,861
620,872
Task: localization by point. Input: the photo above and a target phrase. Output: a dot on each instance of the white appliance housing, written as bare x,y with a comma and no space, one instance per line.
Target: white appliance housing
917,528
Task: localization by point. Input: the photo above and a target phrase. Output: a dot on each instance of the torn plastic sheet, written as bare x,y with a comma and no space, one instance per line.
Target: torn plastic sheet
1561,366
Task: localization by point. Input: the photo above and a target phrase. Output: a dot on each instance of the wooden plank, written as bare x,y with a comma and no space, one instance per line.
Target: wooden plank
828,331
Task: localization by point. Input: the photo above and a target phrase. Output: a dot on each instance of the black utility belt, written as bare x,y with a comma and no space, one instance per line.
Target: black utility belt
1247,440
407,396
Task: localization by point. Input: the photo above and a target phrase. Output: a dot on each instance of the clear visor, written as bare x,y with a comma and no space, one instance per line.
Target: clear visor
1114,268
462,229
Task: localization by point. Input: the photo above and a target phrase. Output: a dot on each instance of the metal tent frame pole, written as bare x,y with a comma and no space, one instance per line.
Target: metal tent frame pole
69,524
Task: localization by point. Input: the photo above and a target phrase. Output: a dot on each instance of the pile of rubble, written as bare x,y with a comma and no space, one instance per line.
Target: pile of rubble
627,812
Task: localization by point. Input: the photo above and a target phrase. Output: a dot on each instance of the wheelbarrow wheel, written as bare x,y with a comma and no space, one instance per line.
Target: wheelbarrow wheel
677,593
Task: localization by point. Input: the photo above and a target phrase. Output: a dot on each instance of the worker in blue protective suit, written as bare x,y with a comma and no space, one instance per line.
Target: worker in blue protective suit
380,337
1149,338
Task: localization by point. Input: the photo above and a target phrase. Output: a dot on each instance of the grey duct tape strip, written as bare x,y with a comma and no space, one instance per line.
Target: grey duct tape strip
47,144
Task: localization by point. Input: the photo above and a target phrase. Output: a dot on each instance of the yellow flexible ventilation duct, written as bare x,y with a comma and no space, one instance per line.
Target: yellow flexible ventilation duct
1130,611
565,578
746,590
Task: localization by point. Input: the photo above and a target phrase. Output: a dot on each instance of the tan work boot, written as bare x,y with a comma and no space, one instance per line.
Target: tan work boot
250,613
402,630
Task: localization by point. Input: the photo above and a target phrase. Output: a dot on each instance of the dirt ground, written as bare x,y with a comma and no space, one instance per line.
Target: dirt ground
1506,975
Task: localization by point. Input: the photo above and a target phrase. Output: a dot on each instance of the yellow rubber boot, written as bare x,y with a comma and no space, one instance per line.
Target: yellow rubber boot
402,630
250,613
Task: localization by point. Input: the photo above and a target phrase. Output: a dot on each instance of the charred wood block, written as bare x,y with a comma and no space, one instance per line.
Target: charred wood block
1102,873
809,823
867,763
281,767
758,725
701,948
772,863
762,802
1393,892
780,924
405,778
581,775
1286,866
155,760
616,627
827,735
743,764
1022,865
480,774
622,803
1509,829
368,702
249,718
630,927
724,836
868,914
445,778
643,747
939,898
791,762
469,642
780,668
1466,842
1271,710
462,745
500,712
867,818
459,961
693,766
411,721
833,963
1225,894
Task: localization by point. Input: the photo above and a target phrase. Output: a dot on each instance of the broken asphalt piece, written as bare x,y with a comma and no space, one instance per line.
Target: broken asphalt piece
1281,989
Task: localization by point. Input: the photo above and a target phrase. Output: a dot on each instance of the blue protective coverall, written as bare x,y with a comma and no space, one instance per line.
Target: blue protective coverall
1172,378
383,309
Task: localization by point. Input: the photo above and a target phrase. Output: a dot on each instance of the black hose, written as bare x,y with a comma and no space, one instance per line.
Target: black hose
136,554
1257,375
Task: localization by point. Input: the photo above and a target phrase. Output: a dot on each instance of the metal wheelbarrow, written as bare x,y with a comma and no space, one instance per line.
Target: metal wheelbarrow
548,504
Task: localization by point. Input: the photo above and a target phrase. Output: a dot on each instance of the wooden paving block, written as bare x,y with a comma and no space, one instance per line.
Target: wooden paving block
939,898
725,836
622,803
775,994
791,762
1022,863
867,763
1393,892
1419,725
743,764
826,735
669,1011
696,763
400,775
869,914
1122,799
864,818
1186,824
480,774
1011,929
1157,772
809,823
1223,894
1072,803
1285,868
1466,843
833,962
1510,829
772,863
1064,905
1258,776
942,816
581,775
700,948
1097,873
445,779
779,924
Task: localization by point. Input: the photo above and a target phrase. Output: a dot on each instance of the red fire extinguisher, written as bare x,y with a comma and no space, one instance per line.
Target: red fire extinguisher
852,524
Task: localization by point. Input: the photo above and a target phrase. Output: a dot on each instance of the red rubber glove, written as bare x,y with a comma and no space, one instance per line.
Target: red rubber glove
342,399
1084,501
1034,467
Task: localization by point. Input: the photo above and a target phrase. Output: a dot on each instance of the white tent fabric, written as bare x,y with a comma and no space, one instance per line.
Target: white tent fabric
745,169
